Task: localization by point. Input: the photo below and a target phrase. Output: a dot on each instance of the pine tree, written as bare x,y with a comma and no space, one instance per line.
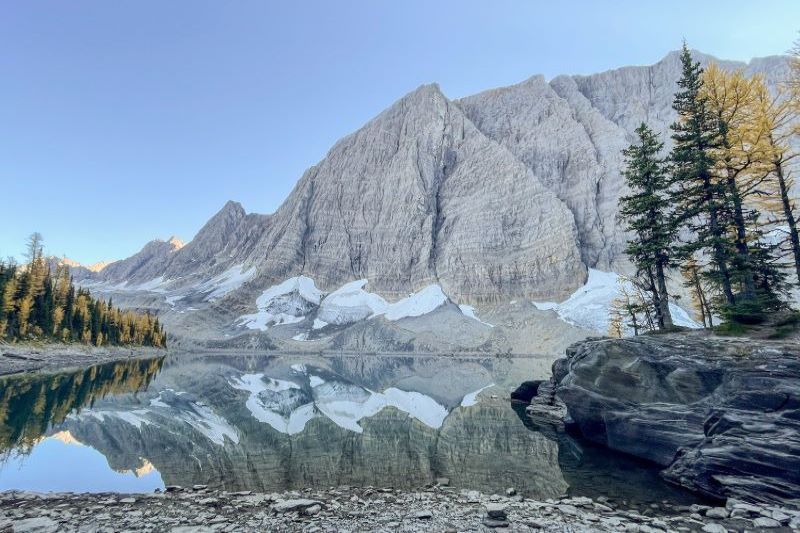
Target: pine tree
698,196
647,214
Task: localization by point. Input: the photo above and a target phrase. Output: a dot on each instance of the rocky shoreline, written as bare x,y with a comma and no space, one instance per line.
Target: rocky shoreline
721,416
436,508
19,358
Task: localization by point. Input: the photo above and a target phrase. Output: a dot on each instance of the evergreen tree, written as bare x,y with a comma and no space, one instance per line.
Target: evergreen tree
38,304
698,197
647,214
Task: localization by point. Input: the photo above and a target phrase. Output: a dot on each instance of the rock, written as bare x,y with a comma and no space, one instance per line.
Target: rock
568,509
511,491
766,522
173,488
712,411
283,506
313,510
442,481
493,523
40,524
423,515
127,500
526,391
496,511
713,527
717,512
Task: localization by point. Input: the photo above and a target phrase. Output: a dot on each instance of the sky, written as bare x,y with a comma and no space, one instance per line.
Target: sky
125,121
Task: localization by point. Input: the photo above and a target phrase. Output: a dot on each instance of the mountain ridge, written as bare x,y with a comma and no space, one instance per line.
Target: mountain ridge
507,194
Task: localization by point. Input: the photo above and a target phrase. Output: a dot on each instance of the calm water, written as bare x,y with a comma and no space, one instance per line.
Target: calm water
270,423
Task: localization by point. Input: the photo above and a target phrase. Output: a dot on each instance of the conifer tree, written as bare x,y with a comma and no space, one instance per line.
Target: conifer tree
647,214
698,197
36,303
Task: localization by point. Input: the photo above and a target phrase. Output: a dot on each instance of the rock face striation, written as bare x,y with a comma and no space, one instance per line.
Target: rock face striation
722,416
508,194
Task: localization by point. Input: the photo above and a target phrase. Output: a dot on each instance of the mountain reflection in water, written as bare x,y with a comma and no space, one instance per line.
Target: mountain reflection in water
271,423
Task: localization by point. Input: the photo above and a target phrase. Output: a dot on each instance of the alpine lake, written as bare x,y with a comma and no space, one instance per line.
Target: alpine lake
267,423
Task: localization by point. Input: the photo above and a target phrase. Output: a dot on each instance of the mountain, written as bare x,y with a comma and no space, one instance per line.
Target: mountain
508,195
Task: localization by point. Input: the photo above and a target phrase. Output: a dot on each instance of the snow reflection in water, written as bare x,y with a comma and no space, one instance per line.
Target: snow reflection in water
283,422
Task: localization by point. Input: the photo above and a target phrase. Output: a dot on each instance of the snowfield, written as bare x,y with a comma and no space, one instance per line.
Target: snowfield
225,283
590,306
350,303
285,303
291,301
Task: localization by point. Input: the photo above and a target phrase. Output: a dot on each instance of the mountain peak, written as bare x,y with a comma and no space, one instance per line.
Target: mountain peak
176,243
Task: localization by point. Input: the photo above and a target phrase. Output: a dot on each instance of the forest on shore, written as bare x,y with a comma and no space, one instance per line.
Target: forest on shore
39,304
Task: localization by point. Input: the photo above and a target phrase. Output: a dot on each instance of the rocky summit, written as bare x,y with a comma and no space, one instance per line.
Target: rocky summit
722,416
508,195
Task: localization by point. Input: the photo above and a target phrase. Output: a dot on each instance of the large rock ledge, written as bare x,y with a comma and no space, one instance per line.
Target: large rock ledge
721,415
363,509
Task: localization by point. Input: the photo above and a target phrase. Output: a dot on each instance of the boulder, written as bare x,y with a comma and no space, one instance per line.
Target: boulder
721,415
526,391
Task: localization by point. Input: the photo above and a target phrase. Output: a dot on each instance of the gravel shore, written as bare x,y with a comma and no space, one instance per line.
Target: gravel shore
17,358
343,509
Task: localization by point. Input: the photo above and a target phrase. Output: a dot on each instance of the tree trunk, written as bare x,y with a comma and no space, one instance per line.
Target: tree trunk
749,288
664,315
788,213
654,290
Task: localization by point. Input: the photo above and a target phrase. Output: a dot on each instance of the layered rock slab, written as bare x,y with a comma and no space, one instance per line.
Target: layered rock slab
723,416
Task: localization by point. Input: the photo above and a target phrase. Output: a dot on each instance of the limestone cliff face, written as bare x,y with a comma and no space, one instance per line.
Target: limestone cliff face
570,132
419,196
510,193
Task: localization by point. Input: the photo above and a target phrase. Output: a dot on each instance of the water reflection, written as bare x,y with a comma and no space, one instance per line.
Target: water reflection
31,403
270,423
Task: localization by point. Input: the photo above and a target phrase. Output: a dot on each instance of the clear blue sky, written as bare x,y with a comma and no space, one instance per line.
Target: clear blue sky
126,120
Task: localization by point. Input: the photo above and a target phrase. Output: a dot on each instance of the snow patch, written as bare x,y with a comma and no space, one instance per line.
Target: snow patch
350,303
135,418
172,299
285,303
225,283
346,405
590,306
154,285
319,324
287,408
197,415
472,398
469,311
417,304
275,402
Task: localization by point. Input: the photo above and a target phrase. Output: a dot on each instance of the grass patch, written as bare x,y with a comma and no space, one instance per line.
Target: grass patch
732,329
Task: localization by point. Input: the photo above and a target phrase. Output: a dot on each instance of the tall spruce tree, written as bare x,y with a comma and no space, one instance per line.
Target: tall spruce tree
647,214
698,196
